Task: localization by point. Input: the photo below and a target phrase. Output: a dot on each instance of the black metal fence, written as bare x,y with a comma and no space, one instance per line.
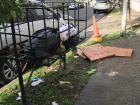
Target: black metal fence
38,35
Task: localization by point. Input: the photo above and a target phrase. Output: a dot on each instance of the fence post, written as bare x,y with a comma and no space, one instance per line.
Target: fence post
63,10
18,65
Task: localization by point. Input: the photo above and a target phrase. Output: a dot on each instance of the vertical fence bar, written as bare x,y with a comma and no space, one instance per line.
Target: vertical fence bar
78,24
75,15
1,40
86,23
53,14
57,18
18,65
68,20
28,23
63,10
46,38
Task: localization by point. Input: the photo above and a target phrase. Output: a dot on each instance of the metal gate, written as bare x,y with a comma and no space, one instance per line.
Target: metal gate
39,34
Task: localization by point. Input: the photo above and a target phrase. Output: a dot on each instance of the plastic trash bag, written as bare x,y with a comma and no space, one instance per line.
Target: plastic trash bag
67,31
43,44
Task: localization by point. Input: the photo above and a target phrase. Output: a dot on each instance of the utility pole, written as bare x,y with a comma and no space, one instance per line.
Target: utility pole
124,17
130,20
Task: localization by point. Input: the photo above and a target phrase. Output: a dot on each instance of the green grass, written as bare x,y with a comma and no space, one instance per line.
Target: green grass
114,35
111,36
51,90
78,73
115,12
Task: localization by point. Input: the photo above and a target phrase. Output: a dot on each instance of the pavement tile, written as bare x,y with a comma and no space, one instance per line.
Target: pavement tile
96,52
121,52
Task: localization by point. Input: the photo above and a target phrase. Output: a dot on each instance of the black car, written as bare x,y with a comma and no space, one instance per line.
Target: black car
36,23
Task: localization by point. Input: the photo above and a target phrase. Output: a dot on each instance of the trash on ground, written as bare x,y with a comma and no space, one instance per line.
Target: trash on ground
55,103
76,56
84,68
112,74
19,96
92,71
97,51
36,81
64,82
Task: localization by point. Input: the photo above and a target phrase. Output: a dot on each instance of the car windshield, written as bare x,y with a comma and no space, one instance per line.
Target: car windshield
101,1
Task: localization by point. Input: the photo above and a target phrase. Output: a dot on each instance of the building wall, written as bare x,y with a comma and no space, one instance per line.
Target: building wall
135,5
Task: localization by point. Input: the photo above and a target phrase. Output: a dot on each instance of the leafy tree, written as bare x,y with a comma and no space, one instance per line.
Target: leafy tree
9,8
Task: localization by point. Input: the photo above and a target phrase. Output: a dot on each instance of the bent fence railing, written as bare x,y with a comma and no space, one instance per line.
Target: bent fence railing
38,35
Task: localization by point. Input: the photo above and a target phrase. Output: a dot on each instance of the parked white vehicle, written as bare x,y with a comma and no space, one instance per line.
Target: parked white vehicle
103,5
73,6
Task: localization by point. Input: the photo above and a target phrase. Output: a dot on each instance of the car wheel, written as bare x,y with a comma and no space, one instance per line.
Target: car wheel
107,11
8,70
95,11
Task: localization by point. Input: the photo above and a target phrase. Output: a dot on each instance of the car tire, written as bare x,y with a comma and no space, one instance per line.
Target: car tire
7,70
95,11
107,11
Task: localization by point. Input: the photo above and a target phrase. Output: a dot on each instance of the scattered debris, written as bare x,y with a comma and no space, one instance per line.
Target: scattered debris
64,82
112,74
25,82
36,81
76,56
19,96
55,103
92,71
97,51
84,68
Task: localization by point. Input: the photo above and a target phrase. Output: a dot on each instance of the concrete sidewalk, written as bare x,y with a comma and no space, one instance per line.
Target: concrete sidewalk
109,24
117,81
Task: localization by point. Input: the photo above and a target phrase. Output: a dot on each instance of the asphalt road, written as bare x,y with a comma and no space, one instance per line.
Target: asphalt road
84,14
